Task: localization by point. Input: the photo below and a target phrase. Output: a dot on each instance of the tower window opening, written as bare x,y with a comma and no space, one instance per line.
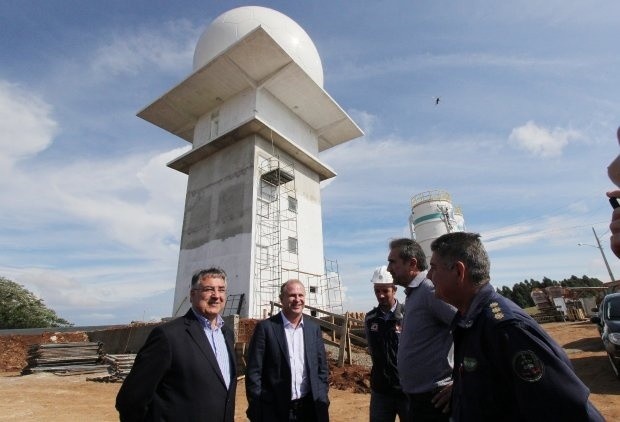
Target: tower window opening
267,191
292,245
215,124
292,204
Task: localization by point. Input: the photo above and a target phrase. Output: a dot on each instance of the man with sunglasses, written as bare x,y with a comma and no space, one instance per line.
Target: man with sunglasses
186,369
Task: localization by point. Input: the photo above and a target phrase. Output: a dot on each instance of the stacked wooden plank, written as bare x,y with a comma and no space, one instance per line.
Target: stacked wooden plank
65,358
549,315
120,365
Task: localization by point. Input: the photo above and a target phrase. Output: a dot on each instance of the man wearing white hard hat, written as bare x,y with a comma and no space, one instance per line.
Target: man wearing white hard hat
383,325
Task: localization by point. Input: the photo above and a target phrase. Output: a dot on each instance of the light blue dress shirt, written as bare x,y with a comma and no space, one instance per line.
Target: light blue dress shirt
217,343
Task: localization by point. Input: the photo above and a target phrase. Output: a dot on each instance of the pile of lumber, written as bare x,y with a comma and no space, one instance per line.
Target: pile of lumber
65,358
551,315
120,365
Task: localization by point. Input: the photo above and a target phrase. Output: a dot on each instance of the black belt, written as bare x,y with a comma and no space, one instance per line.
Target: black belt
297,405
426,395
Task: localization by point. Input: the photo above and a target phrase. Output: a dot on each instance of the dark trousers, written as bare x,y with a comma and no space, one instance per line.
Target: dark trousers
422,410
302,410
385,406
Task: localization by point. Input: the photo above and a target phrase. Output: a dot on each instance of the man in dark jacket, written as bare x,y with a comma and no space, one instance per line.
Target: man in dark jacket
506,367
383,328
286,376
186,369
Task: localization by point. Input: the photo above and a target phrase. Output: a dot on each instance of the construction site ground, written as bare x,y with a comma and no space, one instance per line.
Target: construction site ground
52,397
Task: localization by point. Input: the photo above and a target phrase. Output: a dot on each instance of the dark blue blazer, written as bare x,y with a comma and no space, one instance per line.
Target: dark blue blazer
268,374
176,377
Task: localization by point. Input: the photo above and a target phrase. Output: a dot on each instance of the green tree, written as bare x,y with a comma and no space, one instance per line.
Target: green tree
521,294
19,308
547,282
506,292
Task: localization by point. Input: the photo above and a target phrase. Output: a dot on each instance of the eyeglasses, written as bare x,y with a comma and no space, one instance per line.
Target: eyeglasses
211,290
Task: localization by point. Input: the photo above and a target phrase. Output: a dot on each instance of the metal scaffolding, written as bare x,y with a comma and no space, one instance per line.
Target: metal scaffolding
333,287
276,255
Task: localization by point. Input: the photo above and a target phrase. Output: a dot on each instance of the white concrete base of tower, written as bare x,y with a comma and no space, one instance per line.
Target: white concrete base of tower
220,225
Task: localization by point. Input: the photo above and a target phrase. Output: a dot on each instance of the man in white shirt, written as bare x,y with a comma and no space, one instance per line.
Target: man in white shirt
286,376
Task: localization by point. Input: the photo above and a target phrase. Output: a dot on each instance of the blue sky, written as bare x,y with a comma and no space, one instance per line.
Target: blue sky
530,93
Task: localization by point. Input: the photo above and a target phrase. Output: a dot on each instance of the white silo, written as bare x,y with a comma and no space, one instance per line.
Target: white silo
459,219
432,214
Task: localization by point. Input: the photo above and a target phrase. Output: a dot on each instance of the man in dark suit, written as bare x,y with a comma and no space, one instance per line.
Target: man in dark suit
286,378
186,369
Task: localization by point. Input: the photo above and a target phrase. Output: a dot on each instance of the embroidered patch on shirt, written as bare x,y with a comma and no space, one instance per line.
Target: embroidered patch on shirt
374,327
528,366
470,364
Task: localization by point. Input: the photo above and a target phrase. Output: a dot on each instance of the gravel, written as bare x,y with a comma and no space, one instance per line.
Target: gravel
358,355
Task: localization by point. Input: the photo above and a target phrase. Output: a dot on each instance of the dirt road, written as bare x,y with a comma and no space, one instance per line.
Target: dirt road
72,398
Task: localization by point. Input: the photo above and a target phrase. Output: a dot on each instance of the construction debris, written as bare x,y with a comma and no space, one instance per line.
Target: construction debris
65,358
120,365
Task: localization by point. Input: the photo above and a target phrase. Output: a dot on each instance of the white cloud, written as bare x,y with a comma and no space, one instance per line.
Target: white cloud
120,216
513,236
105,292
170,47
470,60
540,141
365,120
26,123
135,201
165,186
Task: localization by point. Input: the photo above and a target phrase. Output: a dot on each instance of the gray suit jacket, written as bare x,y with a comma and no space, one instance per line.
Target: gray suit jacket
268,375
176,377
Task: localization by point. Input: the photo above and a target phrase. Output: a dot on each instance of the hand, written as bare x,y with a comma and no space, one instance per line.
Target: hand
442,398
614,226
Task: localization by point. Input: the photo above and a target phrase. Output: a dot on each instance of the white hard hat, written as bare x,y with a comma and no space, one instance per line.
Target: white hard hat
381,276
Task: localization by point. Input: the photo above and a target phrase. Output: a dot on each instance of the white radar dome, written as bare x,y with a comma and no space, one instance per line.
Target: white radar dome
230,26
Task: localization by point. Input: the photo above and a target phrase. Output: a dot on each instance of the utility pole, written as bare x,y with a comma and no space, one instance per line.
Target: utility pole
600,248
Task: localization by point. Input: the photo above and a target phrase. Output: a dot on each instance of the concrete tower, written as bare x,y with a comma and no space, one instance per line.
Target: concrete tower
432,215
256,114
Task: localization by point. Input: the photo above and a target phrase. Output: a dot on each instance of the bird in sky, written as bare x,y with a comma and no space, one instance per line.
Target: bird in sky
437,99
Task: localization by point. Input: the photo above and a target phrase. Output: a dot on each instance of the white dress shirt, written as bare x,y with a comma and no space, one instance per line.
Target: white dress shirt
297,358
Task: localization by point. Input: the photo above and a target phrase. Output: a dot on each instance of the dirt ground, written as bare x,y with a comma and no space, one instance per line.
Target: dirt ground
52,397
